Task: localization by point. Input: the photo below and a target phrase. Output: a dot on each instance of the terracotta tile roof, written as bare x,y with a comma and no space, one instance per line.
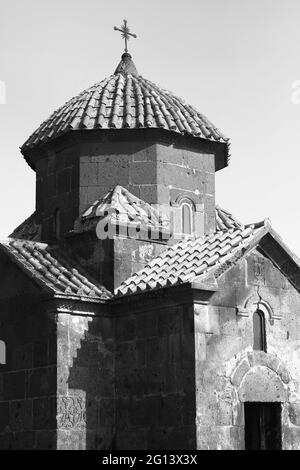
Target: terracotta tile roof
52,270
121,207
225,220
125,101
188,260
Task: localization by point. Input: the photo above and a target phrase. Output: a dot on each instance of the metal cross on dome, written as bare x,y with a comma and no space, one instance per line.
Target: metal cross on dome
125,33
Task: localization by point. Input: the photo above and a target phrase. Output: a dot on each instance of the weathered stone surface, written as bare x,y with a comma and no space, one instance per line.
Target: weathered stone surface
291,438
200,346
14,385
262,385
131,440
220,438
182,437
44,413
41,382
21,440
21,416
294,413
239,373
284,374
45,440
263,359
71,412
71,439
4,416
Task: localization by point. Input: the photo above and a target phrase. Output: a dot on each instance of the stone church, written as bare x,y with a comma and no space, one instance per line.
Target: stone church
135,313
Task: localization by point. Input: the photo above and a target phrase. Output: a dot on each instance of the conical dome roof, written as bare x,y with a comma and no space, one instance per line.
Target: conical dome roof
125,100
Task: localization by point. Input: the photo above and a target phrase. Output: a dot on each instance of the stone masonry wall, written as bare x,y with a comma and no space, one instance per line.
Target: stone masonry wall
110,262
57,187
73,178
155,377
184,172
106,165
156,173
28,379
229,372
85,381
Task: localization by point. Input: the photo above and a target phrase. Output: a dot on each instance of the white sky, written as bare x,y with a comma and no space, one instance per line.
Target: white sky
234,60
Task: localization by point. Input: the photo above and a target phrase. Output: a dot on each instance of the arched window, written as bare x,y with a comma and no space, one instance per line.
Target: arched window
56,224
2,352
259,331
186,218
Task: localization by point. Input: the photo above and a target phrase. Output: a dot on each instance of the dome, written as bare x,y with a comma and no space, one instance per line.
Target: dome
125,100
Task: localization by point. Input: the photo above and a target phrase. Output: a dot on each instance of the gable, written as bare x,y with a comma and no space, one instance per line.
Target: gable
13,281
50,269
206,259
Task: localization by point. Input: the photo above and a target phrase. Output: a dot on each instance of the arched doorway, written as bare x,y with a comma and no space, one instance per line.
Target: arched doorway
262,394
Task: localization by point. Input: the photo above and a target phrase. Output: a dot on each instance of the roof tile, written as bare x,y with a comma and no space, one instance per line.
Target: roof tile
52,269
187,261
125,100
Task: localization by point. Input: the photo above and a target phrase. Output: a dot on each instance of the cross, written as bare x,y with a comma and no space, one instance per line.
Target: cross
125,33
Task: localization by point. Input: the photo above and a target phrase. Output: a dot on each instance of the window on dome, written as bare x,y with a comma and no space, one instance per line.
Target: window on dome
186,217
259,331
2,353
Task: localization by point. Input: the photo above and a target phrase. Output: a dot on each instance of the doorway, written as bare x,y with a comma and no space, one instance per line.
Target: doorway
262,426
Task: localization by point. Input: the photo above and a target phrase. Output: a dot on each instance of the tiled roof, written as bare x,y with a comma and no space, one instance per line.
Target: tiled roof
121,207
192,259
52,270
225,220
125,101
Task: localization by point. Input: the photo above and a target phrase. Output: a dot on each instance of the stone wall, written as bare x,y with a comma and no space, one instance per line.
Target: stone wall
112,261
155,375
106,165
85,381
28,379
229,372
57,187
155,172
184,172
72,178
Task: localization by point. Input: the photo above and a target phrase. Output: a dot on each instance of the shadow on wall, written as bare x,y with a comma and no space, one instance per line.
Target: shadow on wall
131,384
87,414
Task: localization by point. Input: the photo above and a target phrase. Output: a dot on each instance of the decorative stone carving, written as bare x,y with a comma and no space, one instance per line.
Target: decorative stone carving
239,373
71,412
294,413
255,302
259,270
242,312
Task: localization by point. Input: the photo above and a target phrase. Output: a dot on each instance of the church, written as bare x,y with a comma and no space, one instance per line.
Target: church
136,313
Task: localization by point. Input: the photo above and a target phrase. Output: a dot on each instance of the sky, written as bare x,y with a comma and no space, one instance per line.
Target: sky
236,61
